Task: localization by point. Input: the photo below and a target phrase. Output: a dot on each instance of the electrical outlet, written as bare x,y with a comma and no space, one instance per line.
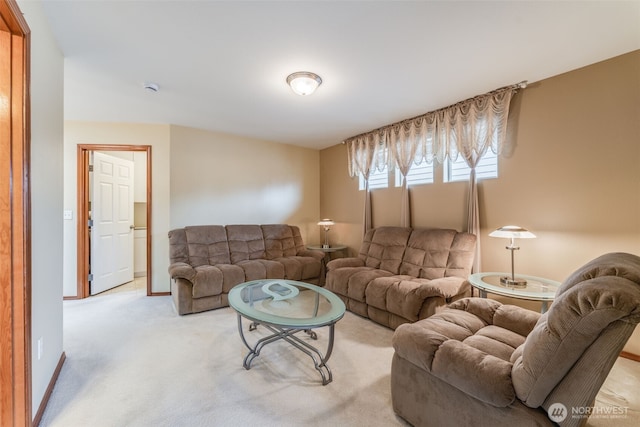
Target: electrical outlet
68,214
40,347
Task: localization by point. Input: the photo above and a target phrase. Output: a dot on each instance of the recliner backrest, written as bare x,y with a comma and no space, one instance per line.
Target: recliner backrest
246,242
383,247
436,253
278,240
199,245
570,351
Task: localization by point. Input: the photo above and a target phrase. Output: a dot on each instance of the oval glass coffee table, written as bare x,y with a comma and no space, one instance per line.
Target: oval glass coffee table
536,289
285,308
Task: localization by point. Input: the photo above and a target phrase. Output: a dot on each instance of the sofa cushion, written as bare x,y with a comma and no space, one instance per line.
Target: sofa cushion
300,267
245,242
435,253
278,241
427,253
405,295
383,248
352,282
261,269
395,294
461,255
207,245
231,275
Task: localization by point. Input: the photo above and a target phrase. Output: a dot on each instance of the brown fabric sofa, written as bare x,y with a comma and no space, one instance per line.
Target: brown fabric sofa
403,275
208,260
483,363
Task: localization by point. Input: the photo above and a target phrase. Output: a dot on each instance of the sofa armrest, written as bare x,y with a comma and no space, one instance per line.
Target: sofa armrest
516,319
182,270
344,262
474,372
446,287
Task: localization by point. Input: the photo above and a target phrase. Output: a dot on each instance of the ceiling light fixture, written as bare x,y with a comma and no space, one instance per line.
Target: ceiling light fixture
303,82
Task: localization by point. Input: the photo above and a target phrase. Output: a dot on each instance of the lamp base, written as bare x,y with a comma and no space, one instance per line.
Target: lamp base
325,246
513,283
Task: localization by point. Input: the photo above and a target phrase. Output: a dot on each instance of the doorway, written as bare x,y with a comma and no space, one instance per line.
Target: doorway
83,163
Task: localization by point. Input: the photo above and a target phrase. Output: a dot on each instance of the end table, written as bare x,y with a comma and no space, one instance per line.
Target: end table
536,289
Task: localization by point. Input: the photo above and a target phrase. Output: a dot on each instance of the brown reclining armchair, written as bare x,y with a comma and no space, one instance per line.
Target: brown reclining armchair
483,363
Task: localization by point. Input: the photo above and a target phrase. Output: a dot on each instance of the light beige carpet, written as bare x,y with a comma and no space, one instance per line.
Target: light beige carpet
132,361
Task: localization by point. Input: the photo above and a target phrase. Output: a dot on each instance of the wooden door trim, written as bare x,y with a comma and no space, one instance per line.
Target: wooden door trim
15,222
83,212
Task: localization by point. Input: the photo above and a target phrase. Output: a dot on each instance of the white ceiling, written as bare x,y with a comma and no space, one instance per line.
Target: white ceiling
221,65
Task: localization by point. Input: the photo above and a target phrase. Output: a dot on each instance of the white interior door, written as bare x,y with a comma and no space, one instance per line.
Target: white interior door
112,215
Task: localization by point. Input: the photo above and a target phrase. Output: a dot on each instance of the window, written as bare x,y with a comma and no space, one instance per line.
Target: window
377,179
421,173
459,171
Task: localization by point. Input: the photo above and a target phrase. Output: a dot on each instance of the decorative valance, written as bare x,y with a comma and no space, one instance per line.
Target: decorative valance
469,127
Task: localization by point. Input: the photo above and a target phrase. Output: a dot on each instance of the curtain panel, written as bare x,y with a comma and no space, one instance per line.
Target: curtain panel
468,129
364,153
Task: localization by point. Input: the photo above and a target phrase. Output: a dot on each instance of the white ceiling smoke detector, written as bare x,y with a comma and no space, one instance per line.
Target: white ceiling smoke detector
151,87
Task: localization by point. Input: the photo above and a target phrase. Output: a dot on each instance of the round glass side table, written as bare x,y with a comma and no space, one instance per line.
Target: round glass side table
328,251
536,289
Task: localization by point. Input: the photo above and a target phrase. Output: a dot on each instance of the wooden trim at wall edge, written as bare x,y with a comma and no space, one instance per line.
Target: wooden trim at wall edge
627,355
47,393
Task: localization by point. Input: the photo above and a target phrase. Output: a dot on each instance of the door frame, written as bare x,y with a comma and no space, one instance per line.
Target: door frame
15,220
83,213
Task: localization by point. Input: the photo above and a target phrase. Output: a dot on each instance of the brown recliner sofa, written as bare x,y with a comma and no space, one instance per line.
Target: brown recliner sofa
483,363
402,274
208,260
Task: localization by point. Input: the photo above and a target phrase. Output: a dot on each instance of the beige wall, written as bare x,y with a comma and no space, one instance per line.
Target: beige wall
224,179
572,178
47,69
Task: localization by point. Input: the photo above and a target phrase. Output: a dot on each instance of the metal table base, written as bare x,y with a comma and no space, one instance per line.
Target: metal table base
288,334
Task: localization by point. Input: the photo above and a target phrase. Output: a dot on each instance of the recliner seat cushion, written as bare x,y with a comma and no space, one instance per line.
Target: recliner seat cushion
261,269
463,346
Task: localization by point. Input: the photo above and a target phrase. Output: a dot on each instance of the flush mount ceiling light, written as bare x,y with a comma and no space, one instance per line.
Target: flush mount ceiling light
303,82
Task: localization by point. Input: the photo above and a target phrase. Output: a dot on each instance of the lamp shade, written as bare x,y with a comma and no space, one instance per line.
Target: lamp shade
512,232
326,222
303,82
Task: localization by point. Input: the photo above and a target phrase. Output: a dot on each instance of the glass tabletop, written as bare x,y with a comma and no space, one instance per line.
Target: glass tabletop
286,303
537,288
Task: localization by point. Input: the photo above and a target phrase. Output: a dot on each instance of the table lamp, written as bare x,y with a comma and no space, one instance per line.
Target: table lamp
512,232
326,223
